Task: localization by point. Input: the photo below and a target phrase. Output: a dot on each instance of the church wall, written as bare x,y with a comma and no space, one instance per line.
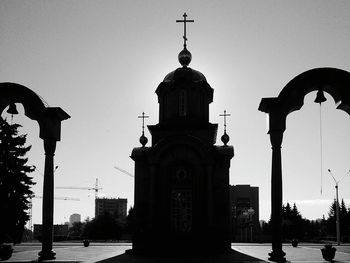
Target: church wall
208,185
221,197
141,196
182,180
185,101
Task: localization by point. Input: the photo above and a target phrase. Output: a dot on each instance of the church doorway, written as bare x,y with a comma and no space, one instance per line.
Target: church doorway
181,200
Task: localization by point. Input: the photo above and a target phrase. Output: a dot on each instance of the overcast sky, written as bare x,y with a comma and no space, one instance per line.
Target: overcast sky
101,62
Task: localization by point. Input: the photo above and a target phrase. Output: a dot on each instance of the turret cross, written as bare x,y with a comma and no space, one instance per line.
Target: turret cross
143,121
184,21
225,115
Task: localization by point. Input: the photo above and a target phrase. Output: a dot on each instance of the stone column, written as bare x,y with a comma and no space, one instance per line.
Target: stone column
48,201
277,253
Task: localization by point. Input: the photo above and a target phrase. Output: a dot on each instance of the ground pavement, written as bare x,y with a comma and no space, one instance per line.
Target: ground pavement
114,253
305,252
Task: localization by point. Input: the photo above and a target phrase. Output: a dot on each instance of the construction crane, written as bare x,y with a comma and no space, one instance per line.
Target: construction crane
94,188
30,206
59,198
123,171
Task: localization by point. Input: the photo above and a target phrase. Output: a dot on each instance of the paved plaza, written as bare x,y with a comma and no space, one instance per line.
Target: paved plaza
115,252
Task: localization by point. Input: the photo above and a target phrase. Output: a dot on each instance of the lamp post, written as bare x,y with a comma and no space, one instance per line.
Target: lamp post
251,213
337,204
245,224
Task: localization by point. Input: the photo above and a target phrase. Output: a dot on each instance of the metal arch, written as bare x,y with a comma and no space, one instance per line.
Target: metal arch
15,93
49,119
334,81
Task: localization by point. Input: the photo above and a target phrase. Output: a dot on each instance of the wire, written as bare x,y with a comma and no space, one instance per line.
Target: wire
321,148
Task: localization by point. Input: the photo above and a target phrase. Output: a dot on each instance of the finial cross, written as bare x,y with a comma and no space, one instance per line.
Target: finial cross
225,115
184,21
143,116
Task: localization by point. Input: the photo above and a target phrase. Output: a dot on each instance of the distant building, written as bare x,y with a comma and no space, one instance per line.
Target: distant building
74,218
244,201
117,207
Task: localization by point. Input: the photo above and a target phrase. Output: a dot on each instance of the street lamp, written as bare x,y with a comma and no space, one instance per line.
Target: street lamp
251,213
337,204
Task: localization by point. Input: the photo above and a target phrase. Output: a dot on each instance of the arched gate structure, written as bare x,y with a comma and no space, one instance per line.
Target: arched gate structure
334,81
49,120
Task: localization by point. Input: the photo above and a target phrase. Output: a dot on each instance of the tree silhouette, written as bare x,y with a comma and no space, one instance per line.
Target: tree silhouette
332,209
102,227
293,223
76,230
295,214
344,219
295,226
15,184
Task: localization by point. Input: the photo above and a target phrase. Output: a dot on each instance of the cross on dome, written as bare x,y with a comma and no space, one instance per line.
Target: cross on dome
225,138
185,56
143,116
143,139
225,115
185,21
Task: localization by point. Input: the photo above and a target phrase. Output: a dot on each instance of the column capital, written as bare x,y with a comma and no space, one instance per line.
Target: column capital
276,137
49,146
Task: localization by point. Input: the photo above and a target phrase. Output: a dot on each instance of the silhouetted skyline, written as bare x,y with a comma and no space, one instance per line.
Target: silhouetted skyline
102,63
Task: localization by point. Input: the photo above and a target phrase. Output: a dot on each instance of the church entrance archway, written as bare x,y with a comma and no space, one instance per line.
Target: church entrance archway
49,120
335,82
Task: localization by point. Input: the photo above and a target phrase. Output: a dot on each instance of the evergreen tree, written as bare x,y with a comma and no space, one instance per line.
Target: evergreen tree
332,210
293,223
286,221
342,211
295,214
287,211
344,219
331,220
15,184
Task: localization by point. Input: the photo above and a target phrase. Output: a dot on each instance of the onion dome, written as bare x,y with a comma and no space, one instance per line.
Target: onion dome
185,57
185,73
225,138
143,140
184,94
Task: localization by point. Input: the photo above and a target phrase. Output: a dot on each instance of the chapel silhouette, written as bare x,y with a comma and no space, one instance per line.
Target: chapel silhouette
182,180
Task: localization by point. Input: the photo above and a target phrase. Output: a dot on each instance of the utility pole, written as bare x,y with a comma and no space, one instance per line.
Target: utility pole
337,214
337,205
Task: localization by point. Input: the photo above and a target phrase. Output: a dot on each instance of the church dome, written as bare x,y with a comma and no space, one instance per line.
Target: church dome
185,73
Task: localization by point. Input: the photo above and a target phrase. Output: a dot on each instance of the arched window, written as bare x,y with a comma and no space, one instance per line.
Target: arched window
181,201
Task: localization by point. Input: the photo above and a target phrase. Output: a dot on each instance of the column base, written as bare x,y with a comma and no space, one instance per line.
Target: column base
277,256
47,255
